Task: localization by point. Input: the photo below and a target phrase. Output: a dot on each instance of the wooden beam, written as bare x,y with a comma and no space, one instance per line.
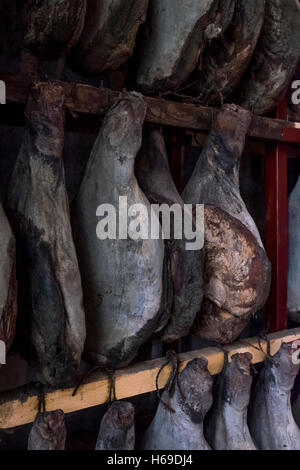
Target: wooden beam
86,99
19,407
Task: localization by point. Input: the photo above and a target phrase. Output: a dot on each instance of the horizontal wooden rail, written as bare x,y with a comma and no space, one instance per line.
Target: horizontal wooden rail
19,407
81,98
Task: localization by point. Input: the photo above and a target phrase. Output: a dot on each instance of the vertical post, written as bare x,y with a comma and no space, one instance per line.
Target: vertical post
277,228
177,166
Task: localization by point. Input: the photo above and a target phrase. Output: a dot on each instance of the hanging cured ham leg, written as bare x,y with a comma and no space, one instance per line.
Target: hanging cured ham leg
109,34
48,431
117,429
225,59
52,27
8,282
294,255
275,58
215,181
174,37
122,277
271,421
185,288
52,323
227,427
190,399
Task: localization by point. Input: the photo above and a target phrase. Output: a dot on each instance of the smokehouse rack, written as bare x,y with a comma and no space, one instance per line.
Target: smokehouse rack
185,125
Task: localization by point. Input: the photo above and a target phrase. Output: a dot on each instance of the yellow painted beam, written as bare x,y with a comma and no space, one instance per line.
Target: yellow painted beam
19,407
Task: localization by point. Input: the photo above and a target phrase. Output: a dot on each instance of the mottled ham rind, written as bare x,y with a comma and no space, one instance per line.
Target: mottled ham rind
271,421
275,58
294,255
236,278
122,278
51,330
183,284
109,34
51,27
48,431
8,282
226,58
183,430
174,38
117,428
226,425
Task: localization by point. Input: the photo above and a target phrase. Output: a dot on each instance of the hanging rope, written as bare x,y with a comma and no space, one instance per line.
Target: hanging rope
111,382
41,399
171,357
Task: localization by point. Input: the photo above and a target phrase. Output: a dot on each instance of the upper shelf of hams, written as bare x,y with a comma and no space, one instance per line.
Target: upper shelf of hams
185,57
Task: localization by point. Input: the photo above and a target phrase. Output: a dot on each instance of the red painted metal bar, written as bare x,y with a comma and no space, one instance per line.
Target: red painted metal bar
291,135
277,228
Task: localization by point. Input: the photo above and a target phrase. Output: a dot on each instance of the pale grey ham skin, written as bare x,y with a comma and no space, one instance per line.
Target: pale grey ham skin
117,428
184,283
183,430
8,281
109,34
51,27
294,255
48,431
226,426
122,279
271,422
52,320
275,58
225,59
174,37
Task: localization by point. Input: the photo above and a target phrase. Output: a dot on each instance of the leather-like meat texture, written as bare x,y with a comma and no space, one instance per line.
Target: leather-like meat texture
191,399
275,58
51,331
271,421
48,431
236,278
225,59
122,277
226,425
294,255
52,27
8,281
184,282
174,37
109,34
117,428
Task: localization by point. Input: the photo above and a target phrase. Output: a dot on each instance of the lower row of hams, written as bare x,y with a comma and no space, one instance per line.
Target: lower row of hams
197,414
